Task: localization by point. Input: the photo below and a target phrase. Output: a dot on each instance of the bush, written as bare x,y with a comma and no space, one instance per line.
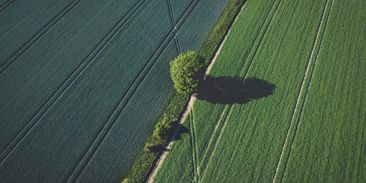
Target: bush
159,137
185,72
220,29
162,131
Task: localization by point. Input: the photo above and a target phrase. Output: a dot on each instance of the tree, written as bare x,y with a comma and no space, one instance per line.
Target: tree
185,72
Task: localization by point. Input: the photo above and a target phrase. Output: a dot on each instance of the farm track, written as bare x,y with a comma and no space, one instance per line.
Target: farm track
249,60
70,80
6,4
213,137
174,24
302,94
179,49
216,143
126,98
196,170
251,111
162,158
37,36
181,120
196,147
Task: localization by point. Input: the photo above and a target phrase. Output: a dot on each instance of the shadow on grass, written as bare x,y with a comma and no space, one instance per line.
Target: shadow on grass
233,90
182,130
229,90
177,136
158,149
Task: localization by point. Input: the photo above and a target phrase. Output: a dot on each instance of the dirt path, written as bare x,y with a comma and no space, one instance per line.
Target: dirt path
188,108
166,152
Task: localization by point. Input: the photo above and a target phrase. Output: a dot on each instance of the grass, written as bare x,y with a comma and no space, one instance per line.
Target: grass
84,96
329,142
249,138
303,89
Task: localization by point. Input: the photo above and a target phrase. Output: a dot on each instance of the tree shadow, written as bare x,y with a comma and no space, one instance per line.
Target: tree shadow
182,130
231,90
157,149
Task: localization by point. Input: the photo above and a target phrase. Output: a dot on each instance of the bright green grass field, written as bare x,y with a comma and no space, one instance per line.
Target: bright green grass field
330,140
278,41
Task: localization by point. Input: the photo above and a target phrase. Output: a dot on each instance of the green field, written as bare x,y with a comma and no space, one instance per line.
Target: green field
82,82
329,140
312,128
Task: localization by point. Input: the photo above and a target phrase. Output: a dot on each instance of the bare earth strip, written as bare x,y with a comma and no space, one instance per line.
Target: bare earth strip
189,107
169,146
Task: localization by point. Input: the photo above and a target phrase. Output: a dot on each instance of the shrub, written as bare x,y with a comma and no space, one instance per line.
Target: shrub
185,72
145,159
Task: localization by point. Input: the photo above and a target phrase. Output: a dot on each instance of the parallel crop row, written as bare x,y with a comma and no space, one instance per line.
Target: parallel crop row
83,93
251,142
329,145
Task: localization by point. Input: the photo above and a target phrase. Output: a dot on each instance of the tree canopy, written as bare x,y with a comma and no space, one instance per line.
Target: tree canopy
185,72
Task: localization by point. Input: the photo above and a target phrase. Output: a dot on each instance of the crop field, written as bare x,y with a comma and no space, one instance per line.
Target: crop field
82,82
302,64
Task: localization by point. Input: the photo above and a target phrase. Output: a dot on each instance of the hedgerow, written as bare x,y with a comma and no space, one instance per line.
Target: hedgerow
163,130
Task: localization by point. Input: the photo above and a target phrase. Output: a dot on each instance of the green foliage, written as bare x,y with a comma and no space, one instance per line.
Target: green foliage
159,137
252,135
163,128
220,29
184,71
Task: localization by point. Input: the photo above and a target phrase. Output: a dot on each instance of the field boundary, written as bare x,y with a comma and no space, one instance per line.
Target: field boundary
189,107
164,155
300,101
49,25
167,124
128,95
69,81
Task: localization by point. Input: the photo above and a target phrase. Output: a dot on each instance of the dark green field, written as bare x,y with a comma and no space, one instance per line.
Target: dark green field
82,82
